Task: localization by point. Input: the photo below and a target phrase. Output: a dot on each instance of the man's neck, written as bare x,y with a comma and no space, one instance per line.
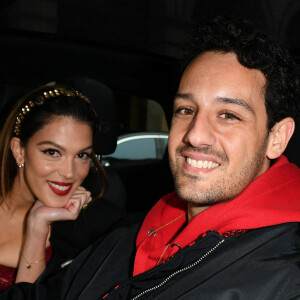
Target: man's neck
193,211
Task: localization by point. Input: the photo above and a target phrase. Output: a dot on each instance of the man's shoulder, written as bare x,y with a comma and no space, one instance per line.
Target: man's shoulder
219,267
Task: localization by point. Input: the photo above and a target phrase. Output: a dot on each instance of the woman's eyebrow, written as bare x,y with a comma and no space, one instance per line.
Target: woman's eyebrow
60,147
50,143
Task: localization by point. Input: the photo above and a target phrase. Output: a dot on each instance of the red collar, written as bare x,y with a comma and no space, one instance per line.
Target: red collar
273,198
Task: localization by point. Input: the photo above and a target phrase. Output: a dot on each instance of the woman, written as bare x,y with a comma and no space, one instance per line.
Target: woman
46,146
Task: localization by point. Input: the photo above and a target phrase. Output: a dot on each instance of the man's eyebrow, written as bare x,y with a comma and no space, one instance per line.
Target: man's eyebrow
236,101
185,96
228,100
60,147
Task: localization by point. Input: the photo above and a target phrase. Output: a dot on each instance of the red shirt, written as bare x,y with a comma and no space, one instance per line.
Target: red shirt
272,198
8,274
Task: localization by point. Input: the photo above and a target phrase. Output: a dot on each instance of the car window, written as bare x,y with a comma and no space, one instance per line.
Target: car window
143,129
136,149
141,146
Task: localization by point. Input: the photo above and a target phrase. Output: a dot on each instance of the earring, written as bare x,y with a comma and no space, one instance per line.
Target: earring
20,165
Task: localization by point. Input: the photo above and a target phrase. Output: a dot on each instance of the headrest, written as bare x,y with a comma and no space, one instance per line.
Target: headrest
102,100
9,95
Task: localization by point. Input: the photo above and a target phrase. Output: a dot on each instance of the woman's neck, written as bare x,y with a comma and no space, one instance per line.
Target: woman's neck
19,198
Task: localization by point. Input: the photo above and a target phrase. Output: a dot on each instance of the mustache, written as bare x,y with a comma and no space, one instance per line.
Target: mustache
202,150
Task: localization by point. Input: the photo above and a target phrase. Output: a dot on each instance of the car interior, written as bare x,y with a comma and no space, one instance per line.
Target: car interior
123,55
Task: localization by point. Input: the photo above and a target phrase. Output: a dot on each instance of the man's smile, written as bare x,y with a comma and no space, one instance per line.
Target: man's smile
202,164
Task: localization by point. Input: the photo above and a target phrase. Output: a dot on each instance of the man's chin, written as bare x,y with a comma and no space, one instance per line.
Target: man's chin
199,197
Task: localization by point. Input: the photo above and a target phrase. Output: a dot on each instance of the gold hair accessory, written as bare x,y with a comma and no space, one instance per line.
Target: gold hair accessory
51,93
20,165
29,264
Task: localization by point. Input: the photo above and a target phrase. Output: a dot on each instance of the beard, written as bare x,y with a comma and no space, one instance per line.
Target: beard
195,189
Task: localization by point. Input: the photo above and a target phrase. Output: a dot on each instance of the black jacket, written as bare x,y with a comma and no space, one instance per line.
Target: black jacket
259,264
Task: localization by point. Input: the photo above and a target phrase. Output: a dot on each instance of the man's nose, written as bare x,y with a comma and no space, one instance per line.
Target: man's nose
67,168
201,131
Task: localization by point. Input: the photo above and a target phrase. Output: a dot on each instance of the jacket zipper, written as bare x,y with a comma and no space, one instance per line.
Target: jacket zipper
179,271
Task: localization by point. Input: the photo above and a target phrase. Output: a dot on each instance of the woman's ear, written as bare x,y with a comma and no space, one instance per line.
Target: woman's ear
17,150
280,136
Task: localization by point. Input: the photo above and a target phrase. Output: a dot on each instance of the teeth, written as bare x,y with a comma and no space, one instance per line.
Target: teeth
59,187
202,164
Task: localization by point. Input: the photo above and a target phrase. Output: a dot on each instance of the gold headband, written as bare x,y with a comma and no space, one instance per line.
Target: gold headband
48,94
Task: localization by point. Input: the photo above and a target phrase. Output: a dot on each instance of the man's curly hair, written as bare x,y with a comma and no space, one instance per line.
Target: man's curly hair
254,50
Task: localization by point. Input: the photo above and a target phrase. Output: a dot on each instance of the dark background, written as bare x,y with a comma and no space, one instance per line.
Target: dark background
132,46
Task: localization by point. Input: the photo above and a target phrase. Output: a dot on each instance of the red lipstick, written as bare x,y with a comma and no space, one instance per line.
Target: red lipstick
60,188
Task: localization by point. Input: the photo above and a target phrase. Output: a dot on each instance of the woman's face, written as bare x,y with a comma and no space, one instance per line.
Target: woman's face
57,160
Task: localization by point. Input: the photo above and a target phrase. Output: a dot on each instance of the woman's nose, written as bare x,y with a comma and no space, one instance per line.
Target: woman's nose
67,168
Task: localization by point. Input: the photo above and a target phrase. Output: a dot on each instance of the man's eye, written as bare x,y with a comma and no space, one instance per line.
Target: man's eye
84,155
51,152
184,111
229,116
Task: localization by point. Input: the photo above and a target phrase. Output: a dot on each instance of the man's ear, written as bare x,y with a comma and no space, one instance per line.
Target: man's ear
17,150
279,137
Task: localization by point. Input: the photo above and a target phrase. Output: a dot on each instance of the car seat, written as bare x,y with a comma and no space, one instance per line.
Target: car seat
105,142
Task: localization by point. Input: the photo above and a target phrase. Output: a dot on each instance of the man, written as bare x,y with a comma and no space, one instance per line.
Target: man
231,229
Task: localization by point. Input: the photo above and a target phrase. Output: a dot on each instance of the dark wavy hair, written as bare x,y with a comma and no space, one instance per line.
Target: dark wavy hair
254,50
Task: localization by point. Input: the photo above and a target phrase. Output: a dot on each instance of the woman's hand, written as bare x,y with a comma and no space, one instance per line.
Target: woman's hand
41,216
79,199
32,260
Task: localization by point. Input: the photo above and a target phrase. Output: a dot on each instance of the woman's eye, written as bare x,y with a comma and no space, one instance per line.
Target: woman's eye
229,116
51,152
84,155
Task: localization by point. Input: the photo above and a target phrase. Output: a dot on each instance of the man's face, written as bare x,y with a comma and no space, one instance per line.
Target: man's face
218,137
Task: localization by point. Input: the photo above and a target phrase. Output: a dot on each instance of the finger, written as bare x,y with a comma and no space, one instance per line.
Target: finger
87,202
74,206
82,199
83,196
80,188
89,199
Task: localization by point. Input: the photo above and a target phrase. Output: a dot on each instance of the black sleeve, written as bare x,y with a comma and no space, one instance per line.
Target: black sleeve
69,238
18,291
